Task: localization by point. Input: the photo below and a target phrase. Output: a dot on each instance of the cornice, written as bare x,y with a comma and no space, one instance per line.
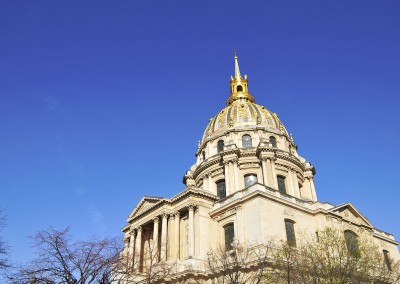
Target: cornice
193,192
292,159
269,193
212,161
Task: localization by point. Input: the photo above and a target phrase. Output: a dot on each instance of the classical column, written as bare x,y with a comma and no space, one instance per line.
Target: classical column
210,185
164,237
176,239
127,247
295,184
274,177
132,245
235,176
154,249
138,246
291,185
313,193
191,230
170,237
228,181
264,171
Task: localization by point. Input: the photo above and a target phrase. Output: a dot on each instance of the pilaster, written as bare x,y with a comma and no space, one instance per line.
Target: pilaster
191,231
177,232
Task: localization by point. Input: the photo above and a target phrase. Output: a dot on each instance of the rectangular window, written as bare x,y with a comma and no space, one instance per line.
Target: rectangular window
281,184
221,190
351,239
290,234
387,260
229,236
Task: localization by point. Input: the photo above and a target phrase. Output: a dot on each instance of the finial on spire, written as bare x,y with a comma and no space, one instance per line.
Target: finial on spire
237,70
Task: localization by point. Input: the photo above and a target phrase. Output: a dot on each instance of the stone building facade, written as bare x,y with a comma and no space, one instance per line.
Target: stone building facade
248,184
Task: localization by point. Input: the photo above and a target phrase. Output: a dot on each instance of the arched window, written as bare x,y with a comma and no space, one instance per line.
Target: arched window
281,184
272,140
250,180
351,239
290,234
387,260
229,232
221,190
246,141
239,88
204,155
220,146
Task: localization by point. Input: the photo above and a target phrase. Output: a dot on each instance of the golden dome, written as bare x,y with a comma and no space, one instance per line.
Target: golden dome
242,115
242,112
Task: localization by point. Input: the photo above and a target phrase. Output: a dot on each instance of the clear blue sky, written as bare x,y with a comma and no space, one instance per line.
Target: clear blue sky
102,102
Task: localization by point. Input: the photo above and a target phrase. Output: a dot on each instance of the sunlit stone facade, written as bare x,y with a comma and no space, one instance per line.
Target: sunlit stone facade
249,177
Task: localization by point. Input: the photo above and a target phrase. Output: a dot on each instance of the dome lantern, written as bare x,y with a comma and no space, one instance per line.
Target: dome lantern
239,87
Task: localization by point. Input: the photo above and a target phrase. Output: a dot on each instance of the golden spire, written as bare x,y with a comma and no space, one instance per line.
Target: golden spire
239,88
237,70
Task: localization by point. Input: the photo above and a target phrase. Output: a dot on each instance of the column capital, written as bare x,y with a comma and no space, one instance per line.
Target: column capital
139,229
192,207
172,216
156,219
164,215
177,214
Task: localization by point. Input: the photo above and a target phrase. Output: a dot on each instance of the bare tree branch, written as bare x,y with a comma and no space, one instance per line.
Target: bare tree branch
61,260
4,262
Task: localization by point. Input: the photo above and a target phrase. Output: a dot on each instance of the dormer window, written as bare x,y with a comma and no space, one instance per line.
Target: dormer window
239,88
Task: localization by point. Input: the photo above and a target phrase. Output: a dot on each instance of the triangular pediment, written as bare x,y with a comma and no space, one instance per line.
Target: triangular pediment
350,213
146,203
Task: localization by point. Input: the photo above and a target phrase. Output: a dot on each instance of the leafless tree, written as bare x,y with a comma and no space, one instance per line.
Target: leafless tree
4,263
146,268
243,264
331,259
61,260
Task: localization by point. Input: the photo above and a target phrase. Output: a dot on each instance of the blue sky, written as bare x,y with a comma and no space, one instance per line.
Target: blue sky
102,102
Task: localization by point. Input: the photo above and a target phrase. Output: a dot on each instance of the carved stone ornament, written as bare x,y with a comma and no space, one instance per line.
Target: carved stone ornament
288,212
